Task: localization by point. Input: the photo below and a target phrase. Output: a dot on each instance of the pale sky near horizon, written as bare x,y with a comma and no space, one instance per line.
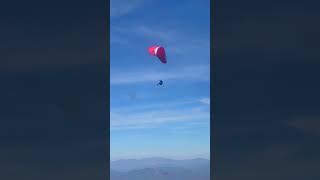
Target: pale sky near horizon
171,121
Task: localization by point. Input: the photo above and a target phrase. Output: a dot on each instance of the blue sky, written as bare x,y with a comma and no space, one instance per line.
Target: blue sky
171,121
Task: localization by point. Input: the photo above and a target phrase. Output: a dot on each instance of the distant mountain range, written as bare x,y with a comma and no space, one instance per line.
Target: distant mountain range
160,169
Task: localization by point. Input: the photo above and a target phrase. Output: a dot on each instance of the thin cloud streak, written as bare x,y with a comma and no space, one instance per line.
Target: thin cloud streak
175,40
160,34
139,76
167,105
124,7
156,117
205,101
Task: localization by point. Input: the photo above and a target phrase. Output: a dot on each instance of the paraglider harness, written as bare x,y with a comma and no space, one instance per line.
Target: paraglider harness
160,83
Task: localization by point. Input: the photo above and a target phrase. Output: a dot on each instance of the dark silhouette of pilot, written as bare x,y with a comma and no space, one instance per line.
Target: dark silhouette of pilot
160,83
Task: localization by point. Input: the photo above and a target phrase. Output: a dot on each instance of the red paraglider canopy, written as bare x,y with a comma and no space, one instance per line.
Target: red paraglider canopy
159,52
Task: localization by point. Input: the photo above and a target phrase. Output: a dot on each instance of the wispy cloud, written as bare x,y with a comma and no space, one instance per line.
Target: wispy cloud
123,7
154,116
189,127
153,119
139,76
168,35
175,39
159,105
205,101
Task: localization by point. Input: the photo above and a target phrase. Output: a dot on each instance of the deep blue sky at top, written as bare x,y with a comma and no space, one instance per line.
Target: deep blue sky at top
169,121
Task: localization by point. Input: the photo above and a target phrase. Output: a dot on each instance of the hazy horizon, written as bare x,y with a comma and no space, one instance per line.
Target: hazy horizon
159,157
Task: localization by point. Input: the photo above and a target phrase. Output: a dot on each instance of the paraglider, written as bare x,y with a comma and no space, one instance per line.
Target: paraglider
161,54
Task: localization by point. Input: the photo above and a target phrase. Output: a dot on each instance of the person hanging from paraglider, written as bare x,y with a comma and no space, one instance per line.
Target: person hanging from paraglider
160,83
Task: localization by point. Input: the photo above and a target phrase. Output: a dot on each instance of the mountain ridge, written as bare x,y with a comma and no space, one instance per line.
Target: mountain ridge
154,162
